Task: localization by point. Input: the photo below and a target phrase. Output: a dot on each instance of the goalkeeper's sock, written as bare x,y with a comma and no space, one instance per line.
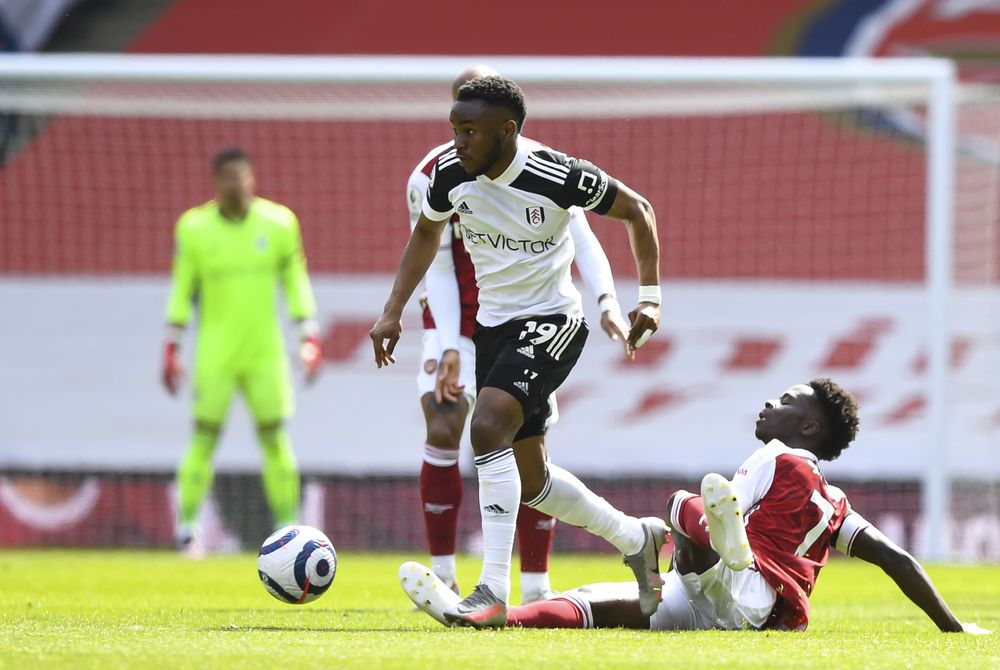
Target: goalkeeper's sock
535,530
194,475
687,517
499,498
566,498
280,476
441,496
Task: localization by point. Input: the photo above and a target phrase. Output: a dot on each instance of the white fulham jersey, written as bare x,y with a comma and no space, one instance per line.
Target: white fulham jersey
516,227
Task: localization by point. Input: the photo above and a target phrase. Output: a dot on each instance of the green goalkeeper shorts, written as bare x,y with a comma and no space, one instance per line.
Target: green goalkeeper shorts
267,391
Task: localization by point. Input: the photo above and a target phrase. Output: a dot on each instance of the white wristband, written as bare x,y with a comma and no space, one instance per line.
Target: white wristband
608,303
649,294
175,333
307,328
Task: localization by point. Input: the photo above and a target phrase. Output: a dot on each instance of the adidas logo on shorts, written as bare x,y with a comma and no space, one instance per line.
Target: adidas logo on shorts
463,208
523,386
528,351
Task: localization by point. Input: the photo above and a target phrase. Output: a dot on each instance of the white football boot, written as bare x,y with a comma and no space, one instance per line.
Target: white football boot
428,593
726,531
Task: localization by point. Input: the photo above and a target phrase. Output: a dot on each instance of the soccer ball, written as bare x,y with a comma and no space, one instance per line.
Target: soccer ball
297,564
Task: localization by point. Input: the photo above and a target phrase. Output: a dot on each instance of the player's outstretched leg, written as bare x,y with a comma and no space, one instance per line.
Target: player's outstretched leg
428,593
725,522
645,564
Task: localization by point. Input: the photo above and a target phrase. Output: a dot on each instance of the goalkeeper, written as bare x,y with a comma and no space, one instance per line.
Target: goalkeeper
231,254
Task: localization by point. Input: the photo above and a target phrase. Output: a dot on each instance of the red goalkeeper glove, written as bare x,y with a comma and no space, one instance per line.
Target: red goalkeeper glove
173,373
310,350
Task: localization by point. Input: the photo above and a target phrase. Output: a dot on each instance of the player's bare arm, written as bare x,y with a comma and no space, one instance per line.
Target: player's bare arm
911,578
640,219
595,270
420,250
613,324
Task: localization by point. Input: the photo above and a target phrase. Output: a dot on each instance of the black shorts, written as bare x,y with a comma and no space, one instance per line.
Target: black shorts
529,358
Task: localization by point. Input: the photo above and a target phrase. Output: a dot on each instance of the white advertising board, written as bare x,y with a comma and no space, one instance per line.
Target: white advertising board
79,367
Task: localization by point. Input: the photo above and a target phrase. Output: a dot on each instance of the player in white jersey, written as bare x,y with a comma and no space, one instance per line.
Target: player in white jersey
732,571
513,197
449,315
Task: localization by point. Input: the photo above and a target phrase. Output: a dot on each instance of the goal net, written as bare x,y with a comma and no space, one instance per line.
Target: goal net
816,218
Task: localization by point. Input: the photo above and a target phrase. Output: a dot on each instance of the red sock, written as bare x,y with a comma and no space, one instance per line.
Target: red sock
441,496
555,613
691,517
534,538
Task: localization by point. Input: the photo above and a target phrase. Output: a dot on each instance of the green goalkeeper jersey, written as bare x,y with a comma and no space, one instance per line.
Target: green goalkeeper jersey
231,270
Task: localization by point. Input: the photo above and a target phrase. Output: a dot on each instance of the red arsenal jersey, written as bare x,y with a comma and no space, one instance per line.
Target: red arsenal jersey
792,518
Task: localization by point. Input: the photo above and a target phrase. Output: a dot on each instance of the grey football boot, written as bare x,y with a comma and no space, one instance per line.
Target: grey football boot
646,564
480,609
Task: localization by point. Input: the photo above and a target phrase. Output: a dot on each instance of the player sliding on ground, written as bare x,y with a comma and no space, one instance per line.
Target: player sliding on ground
732,570
514,196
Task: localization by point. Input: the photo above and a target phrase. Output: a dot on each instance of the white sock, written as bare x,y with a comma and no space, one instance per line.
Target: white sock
567,498
441,458
579,600
499,496
535,582
444,568
675,512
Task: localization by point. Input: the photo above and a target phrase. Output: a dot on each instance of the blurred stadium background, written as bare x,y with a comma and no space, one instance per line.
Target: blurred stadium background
792,226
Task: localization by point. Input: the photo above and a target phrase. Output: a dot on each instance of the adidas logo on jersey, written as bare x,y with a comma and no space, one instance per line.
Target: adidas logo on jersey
523,386
495,509
464,208
528,351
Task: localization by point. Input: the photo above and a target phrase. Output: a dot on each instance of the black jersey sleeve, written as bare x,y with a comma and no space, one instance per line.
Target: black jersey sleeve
568,181
437,205
445,177
589,187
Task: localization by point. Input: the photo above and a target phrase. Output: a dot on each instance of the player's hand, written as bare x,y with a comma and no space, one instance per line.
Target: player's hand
173,373
385,334
311,354
974,629
645,320
614,326
447,388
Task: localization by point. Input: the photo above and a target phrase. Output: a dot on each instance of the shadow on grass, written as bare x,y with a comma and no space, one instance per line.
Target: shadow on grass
333,621
296,611
397,628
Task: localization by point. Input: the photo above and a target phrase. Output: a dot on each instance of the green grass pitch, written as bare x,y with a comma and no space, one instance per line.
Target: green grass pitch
91,609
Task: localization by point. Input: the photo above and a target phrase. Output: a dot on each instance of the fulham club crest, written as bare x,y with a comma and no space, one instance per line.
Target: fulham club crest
535,216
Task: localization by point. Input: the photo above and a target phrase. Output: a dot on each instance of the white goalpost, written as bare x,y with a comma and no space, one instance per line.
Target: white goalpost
818,217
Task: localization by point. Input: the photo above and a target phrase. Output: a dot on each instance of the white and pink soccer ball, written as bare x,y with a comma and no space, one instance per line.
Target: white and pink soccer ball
297,564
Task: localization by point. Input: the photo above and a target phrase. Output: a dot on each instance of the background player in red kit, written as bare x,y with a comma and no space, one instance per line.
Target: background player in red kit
756,570
446,382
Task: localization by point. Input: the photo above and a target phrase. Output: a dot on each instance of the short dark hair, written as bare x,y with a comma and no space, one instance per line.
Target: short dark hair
229,155
496,90
840,411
